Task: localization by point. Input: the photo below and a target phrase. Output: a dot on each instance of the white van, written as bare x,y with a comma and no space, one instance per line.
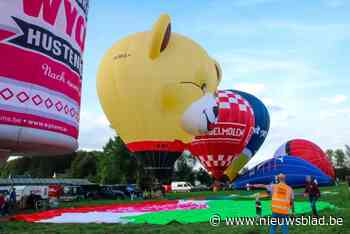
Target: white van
181,186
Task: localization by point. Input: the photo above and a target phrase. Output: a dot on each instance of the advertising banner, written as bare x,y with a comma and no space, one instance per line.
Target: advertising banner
41,48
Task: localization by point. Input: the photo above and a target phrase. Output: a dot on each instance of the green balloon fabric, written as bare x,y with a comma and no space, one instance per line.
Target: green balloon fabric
224,208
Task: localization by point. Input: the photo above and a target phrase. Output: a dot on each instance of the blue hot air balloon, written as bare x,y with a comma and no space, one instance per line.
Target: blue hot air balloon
295,169
261,128
262,122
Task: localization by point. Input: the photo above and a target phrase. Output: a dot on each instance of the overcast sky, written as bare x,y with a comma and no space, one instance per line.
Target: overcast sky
292,54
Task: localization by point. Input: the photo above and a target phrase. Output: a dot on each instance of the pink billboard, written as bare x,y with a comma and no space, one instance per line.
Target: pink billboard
41,48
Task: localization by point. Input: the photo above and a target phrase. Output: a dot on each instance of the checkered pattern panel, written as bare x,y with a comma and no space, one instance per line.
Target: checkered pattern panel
227,99
220,160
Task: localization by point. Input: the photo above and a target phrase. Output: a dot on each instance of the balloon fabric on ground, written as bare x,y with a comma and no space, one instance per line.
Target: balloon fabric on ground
261,129
295,169
161,212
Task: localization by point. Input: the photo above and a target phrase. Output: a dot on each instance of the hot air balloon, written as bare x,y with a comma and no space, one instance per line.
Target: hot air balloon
262,125
41,49
145,84
296,169
308,151
229,135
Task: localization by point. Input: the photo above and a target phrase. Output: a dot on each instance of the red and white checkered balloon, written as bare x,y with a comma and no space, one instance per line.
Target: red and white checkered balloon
228,137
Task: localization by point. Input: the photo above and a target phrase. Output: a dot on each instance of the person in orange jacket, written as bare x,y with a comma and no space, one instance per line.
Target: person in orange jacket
282,202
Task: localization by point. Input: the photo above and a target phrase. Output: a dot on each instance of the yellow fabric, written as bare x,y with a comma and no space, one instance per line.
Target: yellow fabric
144,98
236,166
281,198
158,33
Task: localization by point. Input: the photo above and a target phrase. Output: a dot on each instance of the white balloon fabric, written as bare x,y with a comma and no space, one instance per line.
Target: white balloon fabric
200,115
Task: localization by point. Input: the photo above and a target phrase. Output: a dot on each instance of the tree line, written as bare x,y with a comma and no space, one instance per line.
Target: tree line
113,165
340,159
116,165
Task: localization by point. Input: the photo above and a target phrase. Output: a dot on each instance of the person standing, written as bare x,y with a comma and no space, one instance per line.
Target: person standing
6,208
258,207
2,204
13,198
312,190
131,191
282,203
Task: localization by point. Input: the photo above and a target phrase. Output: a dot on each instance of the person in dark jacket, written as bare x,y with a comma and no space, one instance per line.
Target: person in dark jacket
2,204
312,190
13,197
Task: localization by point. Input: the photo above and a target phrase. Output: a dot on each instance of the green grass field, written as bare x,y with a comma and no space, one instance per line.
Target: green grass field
341,200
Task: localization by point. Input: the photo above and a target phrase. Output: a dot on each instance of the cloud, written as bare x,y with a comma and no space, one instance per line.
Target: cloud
297,32
335,113
327,114
337,99
94,130
272,106
253,88
256,64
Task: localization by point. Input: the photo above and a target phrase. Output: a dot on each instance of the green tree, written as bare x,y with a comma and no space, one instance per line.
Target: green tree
108,167
84,164
117,164
183,172
347,156
339,156
203,177
330,155
37,166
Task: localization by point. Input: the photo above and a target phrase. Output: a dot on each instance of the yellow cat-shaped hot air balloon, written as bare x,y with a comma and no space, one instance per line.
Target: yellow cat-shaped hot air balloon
147,81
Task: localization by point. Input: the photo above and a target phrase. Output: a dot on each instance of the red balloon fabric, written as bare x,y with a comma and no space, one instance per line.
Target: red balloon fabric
107,210
308,151
228,137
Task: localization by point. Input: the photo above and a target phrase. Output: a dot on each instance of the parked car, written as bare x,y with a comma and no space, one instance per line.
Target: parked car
111,193
201,187
72,193
92,191
181,186
127,190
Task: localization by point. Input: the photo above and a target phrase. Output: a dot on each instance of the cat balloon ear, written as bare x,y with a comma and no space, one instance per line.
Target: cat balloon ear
218,71
161,33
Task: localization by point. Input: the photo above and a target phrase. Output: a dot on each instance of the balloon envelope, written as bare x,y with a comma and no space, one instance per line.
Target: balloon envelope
308,151
261,128
228,137
262,122
145,83
295,169
41,61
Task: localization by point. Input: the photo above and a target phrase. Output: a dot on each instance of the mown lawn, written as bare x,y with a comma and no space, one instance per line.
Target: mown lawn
341,200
